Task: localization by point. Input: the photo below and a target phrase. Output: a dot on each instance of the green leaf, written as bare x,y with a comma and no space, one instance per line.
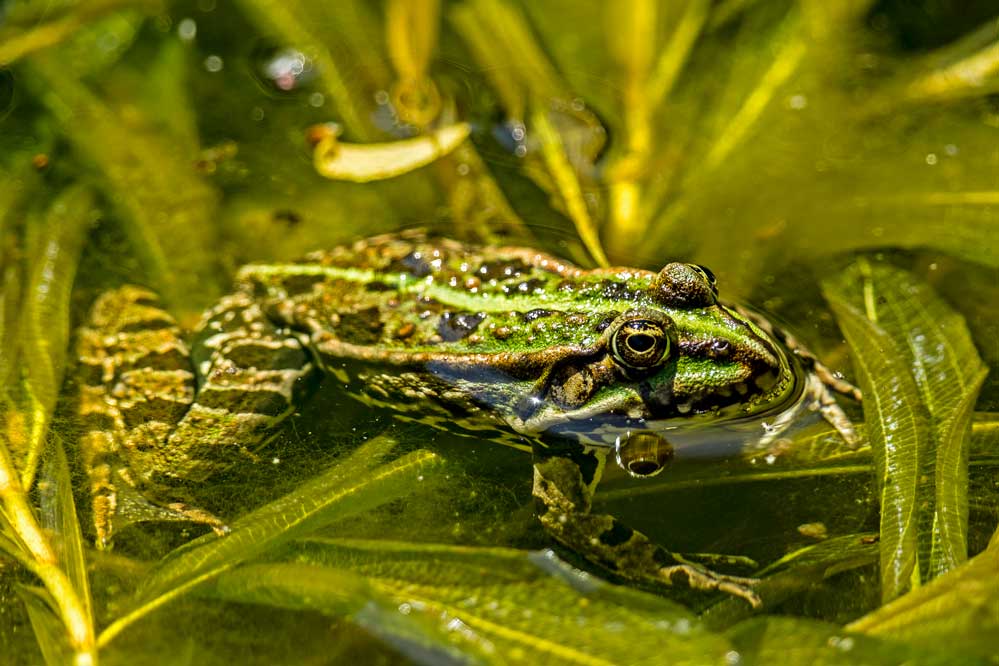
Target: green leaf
798,642
419,634
26,32
167,209
959,609
45,312
48,629
900,435
925,346
351,487
528,607
798,571
58,515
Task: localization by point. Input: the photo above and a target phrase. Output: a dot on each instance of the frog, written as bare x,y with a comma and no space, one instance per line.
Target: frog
505,344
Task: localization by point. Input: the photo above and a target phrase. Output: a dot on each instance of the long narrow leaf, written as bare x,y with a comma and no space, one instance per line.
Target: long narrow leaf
900,435
45,314
59,516
530,607
347,489
44,622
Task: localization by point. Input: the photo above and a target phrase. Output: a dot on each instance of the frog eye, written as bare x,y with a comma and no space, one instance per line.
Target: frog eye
640,344
680,285
706,273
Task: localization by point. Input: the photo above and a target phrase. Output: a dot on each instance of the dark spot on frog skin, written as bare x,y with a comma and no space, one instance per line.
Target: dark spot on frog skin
524,287
606,321
454,326
414,263
537,314
616,535
300,284
363,327
376,287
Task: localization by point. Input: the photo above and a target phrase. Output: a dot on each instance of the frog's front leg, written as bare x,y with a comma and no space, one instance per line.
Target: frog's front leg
565,477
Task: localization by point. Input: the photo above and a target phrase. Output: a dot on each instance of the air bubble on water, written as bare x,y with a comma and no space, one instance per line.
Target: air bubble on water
214,64
797,102
931,159
317,99
187,29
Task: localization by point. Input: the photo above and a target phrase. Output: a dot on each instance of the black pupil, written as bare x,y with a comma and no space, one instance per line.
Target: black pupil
641,342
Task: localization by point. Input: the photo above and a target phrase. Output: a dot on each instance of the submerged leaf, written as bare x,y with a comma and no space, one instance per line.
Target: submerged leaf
167,208
351,487
418,634
798,571
44,622
799,642
44,335
523,607
900,435
58,515
959,609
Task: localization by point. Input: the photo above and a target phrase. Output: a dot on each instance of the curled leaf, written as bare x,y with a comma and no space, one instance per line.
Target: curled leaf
362,163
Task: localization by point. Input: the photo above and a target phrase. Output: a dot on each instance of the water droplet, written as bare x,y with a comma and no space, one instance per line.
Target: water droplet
213,64
187,29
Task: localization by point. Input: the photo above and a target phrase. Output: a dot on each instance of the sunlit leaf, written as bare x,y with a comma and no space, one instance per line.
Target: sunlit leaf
25,32
48,630
901,437
58,514
527,607
793,642
959,609
351,487
45,312
933,340
361,163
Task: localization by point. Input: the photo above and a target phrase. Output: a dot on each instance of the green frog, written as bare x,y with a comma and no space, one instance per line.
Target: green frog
507,344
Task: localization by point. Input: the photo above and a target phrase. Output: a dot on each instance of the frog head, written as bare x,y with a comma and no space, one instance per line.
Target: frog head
676,357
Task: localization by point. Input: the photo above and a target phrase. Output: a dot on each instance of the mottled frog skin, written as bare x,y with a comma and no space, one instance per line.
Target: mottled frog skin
506,344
